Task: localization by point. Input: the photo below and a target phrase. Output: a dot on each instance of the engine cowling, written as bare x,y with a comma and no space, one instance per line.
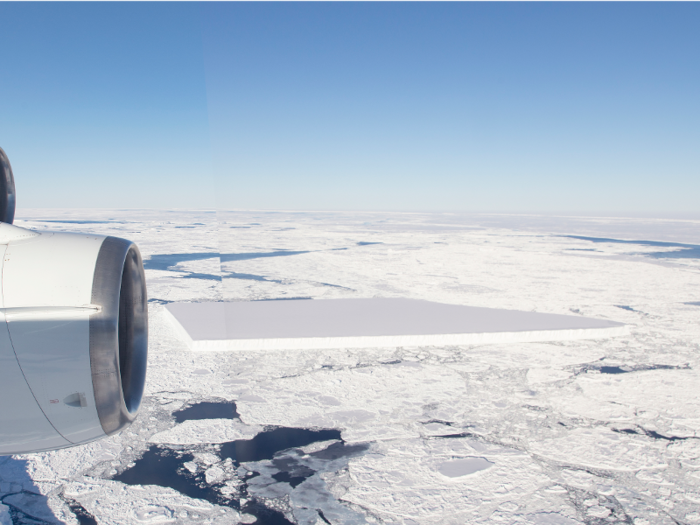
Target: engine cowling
74,341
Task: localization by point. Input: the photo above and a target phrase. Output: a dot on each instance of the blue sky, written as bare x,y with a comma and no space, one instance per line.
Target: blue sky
508,107
104,105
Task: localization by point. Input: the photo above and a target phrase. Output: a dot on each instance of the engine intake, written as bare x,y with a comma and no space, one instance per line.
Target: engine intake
7,190
118,333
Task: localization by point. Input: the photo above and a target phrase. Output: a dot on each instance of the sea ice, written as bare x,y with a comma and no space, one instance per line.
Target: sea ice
575,431
463,467
5,518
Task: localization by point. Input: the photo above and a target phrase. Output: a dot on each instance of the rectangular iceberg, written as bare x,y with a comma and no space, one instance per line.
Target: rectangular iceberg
369,323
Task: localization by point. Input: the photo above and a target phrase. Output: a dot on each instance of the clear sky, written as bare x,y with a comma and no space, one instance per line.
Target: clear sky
509,107
104,104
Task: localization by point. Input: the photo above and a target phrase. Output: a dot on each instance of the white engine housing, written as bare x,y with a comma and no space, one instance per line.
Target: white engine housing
73,346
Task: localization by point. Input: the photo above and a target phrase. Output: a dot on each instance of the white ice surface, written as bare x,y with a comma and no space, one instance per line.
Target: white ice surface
5,518
567,443
463,467
369,323
207,431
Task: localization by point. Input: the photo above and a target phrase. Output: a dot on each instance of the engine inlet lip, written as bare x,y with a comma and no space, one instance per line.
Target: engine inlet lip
7,190
118,333
133,330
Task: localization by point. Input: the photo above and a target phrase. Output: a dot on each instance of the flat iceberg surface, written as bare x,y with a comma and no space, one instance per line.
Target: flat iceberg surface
463,467
569,431
367,323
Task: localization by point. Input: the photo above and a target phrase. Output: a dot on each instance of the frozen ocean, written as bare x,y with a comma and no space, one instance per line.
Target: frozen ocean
592,431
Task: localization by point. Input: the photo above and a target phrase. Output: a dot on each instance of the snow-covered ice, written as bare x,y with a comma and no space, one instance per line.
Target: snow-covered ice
564,432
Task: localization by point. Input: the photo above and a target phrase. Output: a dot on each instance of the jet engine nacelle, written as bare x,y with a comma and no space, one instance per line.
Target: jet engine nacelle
73,344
